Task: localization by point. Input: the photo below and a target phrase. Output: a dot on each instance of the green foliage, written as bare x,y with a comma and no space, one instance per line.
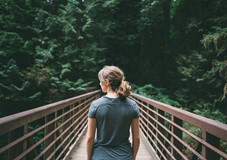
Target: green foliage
51,50
47,54
150,14
218,39
202,68
158,94
199,68
12,81
201,89
208,112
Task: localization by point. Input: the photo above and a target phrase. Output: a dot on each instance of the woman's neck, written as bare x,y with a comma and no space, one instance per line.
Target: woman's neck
112,95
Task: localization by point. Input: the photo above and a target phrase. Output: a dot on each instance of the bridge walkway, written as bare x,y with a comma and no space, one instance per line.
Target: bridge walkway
145,152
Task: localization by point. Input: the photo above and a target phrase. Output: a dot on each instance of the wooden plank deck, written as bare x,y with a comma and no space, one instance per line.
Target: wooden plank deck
145,152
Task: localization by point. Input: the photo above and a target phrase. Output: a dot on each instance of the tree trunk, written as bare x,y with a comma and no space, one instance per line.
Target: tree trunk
166,23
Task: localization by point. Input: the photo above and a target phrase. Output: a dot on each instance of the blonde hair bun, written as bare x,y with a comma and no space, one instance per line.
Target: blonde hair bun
116,78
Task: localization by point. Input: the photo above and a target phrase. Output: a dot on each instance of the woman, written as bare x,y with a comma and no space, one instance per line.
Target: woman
112,116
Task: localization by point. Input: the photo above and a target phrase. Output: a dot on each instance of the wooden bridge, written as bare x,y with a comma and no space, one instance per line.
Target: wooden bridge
57,131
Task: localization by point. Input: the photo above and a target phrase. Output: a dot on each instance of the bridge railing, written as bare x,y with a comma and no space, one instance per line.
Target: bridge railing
177,134
47,132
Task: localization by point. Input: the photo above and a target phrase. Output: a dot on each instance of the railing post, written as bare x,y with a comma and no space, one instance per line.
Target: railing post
25,143
143,109
160,129
204,137
177,132
75,119
214,141
49,129
65,126
17,149
148,119
71,121
79,108
154,124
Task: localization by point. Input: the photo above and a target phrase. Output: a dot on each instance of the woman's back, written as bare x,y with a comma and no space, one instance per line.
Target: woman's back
114,117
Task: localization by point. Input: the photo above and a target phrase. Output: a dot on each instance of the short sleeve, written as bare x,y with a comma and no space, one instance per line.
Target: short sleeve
136,110
92,110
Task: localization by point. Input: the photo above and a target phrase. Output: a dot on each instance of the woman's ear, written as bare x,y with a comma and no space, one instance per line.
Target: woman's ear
107,82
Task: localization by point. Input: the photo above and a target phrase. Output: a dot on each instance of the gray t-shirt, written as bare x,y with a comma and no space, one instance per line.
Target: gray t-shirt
114,117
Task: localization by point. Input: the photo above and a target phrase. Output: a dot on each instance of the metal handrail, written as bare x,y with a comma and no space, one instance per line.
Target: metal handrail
164,127
47,132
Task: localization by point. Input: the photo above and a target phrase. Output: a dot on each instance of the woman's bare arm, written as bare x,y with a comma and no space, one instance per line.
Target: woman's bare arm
90,136
135,137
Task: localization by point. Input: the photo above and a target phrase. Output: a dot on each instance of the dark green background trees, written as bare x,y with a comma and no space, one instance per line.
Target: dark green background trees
53,49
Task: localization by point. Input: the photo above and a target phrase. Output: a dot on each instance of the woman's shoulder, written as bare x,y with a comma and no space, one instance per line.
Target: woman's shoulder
130,101
99,100
103,100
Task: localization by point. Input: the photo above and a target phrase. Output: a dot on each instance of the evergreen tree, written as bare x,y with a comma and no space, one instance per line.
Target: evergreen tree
48,53
202,56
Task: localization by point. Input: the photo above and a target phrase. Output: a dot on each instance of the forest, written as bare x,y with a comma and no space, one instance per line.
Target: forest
173,51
